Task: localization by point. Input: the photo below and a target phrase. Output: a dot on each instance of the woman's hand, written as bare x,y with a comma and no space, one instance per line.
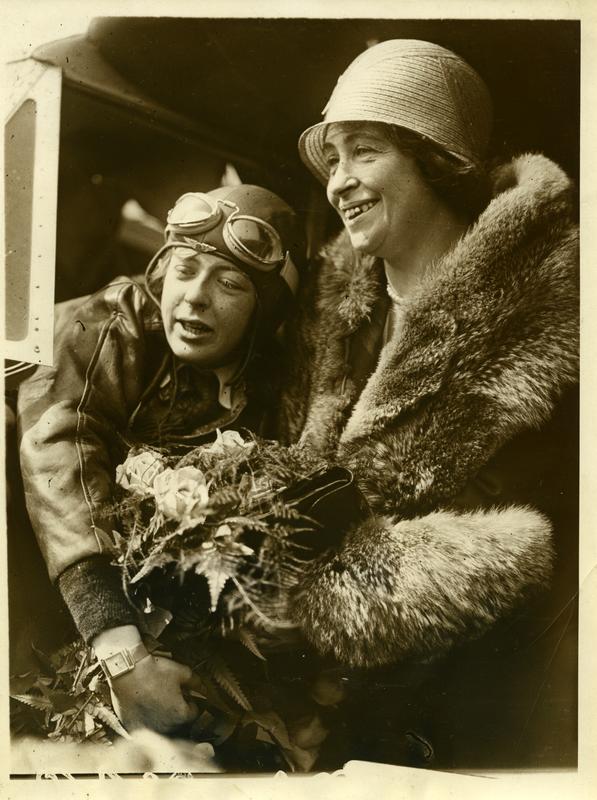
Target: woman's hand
151,695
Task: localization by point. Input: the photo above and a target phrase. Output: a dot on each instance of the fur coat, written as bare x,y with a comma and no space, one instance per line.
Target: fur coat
487,349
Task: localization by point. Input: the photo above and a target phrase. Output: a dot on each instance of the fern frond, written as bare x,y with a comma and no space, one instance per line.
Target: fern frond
249,642
39,703
214,696
108,717
227,680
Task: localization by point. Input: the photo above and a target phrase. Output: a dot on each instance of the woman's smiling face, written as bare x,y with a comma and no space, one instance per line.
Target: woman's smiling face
207,305
379,192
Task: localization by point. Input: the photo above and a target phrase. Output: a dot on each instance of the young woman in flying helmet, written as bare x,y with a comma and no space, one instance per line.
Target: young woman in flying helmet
163,364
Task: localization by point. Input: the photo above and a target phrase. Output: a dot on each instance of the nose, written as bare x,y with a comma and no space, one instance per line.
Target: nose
198,291
341,180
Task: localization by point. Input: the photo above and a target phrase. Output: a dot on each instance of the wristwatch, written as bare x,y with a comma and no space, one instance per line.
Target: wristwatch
124,661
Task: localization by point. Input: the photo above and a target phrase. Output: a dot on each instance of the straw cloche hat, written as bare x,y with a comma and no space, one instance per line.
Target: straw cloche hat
412,84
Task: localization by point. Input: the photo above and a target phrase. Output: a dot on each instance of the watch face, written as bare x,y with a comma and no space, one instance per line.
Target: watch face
118,664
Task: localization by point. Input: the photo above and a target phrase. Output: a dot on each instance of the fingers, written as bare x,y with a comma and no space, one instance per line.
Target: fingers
186,673
153,696
192,712
194,683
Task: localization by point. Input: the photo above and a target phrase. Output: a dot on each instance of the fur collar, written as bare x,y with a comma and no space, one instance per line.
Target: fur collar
488,344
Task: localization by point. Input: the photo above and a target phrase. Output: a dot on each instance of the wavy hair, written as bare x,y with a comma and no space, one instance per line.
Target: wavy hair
462,185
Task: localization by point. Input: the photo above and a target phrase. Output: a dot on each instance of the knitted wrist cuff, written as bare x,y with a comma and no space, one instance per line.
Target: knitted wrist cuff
93,592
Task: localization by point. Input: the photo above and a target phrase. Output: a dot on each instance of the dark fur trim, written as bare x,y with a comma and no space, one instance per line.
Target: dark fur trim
486,349
417,587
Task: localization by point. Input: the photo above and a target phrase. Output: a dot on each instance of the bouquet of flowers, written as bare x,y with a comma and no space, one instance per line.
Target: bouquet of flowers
211,545
221,511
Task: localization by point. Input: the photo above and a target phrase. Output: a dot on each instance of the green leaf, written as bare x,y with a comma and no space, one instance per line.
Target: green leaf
223,729
43,659
19,684
160,560
109,718
217,571
213,695
89,723
228,682
249,642
67,661
273,723
119,541
61,701
94,667
263,736
39,703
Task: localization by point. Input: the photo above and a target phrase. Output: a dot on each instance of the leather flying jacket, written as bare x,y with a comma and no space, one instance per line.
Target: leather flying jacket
114,383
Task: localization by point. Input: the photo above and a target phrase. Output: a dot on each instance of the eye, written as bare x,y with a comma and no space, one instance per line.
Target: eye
183,262
234,282
331,160
184,269
364,150
230,284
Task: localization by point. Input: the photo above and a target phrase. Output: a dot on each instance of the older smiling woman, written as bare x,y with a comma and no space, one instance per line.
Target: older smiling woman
438,359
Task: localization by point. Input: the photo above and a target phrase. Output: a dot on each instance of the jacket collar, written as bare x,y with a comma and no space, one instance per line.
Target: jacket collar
227,392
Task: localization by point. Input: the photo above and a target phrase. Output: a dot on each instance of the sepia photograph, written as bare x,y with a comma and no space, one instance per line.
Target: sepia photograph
291,367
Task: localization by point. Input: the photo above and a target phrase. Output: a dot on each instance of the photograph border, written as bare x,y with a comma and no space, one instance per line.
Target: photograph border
356,778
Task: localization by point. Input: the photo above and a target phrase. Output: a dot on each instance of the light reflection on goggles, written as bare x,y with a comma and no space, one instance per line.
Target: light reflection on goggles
250,239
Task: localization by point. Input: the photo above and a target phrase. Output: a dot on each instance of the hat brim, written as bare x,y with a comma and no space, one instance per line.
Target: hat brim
310,145
312,140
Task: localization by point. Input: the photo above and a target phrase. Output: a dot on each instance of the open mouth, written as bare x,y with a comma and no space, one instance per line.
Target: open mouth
194,328
355,211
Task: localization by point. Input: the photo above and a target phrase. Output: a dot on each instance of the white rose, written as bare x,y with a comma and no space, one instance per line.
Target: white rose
139,471
181,494
229,440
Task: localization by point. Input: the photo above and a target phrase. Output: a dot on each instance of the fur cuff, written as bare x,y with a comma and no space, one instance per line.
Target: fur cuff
416,587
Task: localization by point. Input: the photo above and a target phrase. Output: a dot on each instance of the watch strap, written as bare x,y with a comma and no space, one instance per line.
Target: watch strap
123,661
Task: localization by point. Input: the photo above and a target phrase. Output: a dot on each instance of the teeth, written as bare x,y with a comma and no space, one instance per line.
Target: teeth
194,327
353,212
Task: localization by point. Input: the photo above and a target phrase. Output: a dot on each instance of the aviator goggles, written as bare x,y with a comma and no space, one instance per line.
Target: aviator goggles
250,239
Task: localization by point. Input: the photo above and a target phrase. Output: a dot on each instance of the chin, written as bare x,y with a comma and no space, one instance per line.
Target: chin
362,244
201,362
188,357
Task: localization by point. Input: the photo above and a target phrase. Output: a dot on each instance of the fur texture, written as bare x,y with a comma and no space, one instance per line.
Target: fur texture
401,585
488,346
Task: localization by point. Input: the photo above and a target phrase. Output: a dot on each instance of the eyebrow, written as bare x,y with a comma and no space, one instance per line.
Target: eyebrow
349,136
185,253
192,255
224,266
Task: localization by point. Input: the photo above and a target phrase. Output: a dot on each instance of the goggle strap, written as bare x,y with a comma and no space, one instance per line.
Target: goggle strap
149,270
289,275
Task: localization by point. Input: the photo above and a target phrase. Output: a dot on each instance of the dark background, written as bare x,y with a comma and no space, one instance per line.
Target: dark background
154,107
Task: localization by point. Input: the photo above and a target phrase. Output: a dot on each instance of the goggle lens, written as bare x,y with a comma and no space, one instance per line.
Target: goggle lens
257,239
251,239
192,210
